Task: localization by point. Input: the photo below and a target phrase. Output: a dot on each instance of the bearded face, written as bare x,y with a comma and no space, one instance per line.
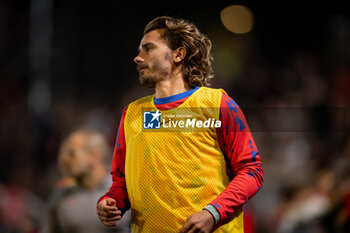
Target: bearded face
149,75
154,60
146,78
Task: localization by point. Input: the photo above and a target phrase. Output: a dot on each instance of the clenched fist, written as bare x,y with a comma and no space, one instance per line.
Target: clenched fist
108,213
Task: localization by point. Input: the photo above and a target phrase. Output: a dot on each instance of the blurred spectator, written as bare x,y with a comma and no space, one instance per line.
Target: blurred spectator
306,205
19,210
337,219
82,160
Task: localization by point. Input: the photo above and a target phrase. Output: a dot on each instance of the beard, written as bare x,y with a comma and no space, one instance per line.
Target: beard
150,75
147,81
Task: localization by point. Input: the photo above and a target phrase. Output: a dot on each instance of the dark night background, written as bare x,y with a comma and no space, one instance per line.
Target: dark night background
65,64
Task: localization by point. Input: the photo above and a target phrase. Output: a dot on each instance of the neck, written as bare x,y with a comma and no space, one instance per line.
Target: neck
172,86
94,178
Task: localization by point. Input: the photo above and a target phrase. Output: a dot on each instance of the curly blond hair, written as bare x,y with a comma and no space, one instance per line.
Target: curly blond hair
197,65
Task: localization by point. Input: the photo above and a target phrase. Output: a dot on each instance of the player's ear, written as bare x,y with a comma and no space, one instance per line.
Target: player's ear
179,54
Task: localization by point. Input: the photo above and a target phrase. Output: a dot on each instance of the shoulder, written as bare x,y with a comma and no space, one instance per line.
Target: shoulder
216,91
59,194
226,98
211,90
137,102
63,192
141,100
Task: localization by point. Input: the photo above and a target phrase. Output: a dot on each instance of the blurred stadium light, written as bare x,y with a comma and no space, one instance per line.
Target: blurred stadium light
238,19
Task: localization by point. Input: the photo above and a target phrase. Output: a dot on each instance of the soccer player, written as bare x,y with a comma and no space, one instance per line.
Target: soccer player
178,174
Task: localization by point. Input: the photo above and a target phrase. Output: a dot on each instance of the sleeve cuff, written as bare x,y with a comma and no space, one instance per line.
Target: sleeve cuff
213,212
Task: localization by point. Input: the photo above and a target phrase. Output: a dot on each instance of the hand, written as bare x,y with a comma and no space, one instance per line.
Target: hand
201,221
108,213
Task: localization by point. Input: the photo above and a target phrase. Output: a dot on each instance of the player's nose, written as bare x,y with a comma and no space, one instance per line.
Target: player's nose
138,59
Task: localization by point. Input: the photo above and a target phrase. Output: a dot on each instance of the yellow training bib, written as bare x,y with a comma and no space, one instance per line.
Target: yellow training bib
174,166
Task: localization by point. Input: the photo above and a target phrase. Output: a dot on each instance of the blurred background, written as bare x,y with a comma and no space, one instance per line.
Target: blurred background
65,64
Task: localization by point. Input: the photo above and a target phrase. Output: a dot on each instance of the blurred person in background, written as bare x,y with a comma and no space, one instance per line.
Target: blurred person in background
323,203
20,208
181,181
306,205
83,159
337,219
